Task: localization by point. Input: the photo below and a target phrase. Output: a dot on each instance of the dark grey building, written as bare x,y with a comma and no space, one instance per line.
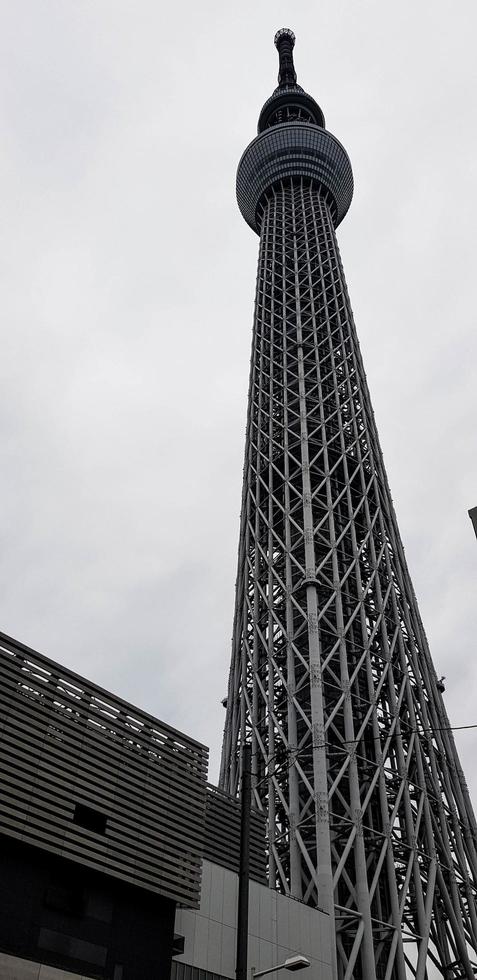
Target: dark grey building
106,821
102,825
331,680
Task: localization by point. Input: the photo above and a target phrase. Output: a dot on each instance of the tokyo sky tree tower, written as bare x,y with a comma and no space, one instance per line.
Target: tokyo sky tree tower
331,681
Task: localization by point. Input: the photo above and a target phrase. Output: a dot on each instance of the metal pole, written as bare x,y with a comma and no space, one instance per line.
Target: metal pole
244,874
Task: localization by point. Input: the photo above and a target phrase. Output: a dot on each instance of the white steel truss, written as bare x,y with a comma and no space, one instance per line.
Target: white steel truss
354,763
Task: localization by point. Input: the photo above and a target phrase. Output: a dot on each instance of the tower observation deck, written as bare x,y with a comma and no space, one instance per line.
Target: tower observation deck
331,679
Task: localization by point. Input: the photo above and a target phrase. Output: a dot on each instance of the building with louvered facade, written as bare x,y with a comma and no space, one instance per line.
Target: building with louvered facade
102,823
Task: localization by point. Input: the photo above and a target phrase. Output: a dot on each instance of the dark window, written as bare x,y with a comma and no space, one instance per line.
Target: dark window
69,900
72,948
90,819
178,945
99,906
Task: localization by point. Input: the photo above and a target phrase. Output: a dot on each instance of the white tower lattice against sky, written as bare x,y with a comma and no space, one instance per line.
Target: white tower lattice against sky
331,678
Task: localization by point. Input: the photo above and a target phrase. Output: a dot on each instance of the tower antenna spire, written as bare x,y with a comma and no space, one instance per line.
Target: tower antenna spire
285,42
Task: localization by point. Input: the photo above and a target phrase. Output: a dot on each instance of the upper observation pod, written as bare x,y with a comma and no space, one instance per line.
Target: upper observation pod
292,142
289,101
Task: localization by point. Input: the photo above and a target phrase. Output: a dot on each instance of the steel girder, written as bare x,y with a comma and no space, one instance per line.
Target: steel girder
331,680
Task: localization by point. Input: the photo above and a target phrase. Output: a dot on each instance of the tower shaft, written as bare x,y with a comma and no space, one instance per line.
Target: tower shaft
331,678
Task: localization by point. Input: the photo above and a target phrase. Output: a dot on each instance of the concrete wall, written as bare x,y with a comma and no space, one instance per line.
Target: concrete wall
14,968
278,927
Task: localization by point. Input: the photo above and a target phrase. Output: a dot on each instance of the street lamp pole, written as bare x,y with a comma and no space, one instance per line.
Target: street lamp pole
244,871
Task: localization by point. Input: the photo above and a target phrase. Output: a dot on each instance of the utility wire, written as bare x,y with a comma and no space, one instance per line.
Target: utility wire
375,738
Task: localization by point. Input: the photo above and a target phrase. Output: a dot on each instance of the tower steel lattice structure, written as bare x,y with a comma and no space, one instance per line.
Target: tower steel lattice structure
331,680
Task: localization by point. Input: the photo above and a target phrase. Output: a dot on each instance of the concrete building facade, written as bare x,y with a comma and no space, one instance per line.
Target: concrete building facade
278,927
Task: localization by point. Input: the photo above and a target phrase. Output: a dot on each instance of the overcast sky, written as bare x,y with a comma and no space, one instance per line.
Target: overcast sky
126,297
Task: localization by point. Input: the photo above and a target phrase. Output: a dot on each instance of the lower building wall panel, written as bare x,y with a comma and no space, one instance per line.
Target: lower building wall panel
182,971
278,927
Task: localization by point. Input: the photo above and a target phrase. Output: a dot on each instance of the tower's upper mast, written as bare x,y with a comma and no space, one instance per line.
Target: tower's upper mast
292,142
285,42
289,101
